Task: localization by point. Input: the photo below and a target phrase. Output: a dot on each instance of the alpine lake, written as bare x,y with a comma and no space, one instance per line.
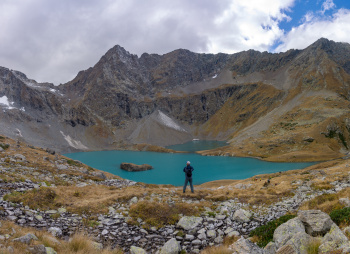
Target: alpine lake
168,167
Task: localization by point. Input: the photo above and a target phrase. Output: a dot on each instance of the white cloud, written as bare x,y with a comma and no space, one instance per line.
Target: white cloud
334,28
327,5
53,40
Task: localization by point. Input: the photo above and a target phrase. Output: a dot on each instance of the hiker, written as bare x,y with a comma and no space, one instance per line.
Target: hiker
188,173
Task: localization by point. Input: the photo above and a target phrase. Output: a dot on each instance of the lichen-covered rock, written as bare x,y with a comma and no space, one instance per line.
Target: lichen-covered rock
55,231
300,241
137,250
49,250
171,247
316,222
270,248
189,222
242,215
286,231
286,249
243,246
333,240
26,238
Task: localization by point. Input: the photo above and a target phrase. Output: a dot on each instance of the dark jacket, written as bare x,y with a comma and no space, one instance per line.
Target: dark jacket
188,169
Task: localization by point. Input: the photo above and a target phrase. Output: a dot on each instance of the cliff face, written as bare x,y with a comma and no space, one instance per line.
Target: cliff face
126,99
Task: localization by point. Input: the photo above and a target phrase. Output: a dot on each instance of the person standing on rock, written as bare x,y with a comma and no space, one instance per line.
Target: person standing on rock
188,173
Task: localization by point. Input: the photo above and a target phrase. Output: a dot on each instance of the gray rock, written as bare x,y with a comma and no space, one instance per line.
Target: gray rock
270,248
171,247
49,250
233,233
211,234
242,215
243,186
97,246
137,250
20,157
244,246
300,242
316,222
134,200
100,175
202,236
286,249
218,239
345,202
26,238
38,249
333,240
189,222
196,242
82,184
62,167
55,231
286,231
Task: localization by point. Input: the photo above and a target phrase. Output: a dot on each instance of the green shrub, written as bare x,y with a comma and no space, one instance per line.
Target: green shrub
73,163
4,146
341,216
264,233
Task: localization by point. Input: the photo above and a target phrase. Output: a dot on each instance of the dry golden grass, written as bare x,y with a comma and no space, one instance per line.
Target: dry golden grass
79,243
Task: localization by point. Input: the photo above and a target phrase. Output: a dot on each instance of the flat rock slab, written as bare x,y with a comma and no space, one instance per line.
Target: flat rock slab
189,222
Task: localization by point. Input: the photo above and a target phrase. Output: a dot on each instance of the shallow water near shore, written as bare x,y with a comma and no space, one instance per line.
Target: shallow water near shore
168,167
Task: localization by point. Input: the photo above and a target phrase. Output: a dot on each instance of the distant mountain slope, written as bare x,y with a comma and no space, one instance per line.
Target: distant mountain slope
266,104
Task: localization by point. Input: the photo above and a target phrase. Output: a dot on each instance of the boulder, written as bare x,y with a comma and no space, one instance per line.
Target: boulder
19,157
137,250
299,242
50,151
286,231
171,247
38,249
286,249
333,240
243,246
26,238
189,222
134,168
316,222
242,215
100,175
49,250
270,248
55,231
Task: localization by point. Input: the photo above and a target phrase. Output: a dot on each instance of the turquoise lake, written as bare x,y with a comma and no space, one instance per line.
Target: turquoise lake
168,166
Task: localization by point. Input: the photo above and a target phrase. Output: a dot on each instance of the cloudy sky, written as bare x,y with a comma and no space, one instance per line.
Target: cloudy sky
52,40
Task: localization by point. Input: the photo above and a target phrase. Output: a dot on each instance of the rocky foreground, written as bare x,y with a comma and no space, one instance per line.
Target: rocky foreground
117,226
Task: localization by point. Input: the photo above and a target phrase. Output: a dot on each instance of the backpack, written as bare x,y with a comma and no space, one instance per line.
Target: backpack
188,172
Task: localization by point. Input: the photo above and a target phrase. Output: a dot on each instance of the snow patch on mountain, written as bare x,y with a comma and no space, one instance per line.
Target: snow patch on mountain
73,143
167,121
5,101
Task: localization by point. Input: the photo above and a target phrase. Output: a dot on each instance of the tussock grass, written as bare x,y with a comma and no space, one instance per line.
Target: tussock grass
325,202
43,198
79,243
160,214
312,247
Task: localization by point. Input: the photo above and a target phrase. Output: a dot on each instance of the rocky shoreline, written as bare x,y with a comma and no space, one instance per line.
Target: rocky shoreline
230,218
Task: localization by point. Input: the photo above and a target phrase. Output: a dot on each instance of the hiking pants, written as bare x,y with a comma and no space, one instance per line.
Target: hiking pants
188,179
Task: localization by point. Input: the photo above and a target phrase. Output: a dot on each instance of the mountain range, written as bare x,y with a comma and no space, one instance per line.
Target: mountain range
290,106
